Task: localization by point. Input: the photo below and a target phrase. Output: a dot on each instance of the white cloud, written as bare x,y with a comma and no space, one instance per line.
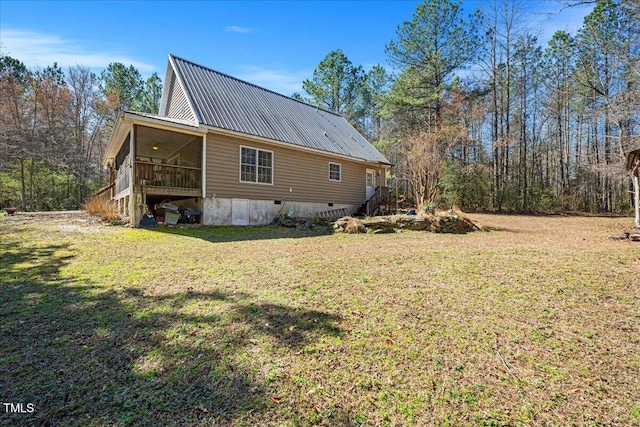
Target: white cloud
276,79
40,50
236,29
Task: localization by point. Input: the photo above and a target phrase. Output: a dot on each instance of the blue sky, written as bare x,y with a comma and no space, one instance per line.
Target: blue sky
275,44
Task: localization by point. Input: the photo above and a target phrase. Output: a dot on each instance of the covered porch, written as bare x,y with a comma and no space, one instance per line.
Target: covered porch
151,160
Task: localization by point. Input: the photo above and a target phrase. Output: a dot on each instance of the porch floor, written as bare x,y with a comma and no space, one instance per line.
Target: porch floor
168,191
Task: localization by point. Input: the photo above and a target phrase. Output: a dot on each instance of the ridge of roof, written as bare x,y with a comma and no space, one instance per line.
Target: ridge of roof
255,85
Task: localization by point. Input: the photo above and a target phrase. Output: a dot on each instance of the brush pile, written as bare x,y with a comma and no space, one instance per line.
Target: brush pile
443,222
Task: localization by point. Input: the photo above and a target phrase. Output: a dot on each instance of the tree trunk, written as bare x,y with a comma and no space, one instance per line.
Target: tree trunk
636,198
23,187
32,200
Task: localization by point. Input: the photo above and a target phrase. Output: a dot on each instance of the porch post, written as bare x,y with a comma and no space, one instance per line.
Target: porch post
133,209
203,173
635,171
112,180
132,150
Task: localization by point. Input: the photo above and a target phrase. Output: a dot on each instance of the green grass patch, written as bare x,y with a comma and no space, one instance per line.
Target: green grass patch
536,324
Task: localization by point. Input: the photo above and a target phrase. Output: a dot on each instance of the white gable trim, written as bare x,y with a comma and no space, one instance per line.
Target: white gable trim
164,99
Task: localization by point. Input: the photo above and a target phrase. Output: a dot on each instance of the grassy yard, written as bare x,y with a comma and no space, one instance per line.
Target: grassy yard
534,323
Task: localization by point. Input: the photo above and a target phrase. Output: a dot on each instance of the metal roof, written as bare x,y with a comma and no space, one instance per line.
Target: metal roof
226,102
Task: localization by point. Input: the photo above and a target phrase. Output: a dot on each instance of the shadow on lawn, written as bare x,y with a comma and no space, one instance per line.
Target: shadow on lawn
89,355
217,234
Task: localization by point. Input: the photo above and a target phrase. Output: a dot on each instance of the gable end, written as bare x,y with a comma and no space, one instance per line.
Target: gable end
177,103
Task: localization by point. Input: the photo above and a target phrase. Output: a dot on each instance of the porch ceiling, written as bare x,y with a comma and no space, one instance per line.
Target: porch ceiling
157,127
153,142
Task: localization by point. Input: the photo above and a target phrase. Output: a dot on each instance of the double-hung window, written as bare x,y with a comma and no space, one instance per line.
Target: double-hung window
256,165
335,172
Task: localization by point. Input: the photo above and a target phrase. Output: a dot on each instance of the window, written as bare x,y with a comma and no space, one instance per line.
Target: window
256,165
370,178
335,170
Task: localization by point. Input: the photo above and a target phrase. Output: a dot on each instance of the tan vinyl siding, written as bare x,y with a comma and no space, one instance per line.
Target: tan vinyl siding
178,106
307,174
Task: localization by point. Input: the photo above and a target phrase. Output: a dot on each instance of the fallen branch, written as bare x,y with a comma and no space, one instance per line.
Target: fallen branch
504,362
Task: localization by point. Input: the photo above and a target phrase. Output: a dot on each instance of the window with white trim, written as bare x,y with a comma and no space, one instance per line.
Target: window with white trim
256,165
335,172
370,178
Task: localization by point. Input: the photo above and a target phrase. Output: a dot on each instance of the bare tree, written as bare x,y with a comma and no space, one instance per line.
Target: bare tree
89,113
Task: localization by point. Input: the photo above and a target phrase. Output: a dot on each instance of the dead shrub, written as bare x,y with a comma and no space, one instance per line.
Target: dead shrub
349,225
107,210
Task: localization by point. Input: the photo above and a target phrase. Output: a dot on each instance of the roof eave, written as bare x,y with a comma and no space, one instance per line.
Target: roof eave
162,123
120,130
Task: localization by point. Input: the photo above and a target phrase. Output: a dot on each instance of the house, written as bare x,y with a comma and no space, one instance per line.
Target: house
238,153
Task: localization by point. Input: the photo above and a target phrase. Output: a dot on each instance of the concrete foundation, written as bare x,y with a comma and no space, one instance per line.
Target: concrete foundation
218,211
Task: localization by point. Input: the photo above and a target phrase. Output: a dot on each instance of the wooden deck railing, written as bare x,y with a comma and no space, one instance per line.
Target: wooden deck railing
378,198
160,175
106,192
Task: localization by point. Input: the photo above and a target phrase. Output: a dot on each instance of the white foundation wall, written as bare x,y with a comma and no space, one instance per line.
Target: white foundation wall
220,211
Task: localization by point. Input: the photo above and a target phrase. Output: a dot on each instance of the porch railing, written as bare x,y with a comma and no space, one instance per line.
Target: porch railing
379,197
160,175
106,193
123,178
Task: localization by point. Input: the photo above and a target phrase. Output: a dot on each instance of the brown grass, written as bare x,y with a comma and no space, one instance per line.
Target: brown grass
106,209
535,323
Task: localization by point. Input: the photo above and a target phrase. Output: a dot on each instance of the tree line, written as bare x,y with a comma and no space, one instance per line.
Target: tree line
55,126
480,114
476,112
